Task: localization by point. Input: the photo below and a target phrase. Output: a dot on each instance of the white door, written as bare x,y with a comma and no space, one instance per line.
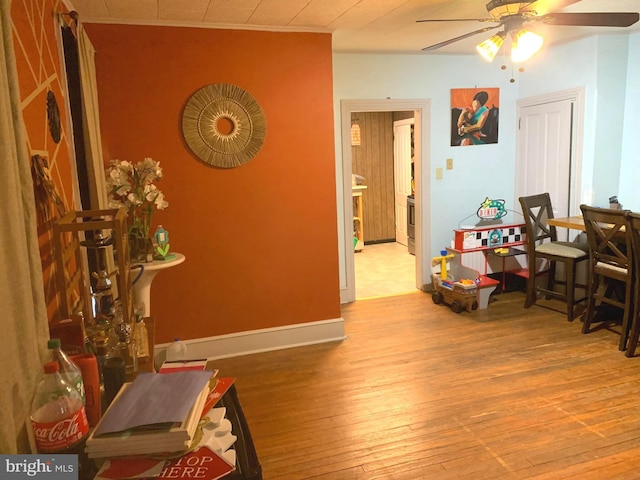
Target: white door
402,174
545,140
546,154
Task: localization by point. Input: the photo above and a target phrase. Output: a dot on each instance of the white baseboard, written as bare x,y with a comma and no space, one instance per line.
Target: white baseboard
264,340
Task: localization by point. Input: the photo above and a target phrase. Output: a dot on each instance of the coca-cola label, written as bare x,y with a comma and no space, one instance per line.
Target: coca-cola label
62,434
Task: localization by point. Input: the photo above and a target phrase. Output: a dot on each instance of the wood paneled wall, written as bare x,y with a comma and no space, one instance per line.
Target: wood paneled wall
373,160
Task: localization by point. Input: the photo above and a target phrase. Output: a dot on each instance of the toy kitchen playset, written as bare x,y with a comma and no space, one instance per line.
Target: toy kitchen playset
480,258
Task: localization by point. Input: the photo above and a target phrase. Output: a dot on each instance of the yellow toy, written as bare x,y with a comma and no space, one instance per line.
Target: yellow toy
443,263
453,285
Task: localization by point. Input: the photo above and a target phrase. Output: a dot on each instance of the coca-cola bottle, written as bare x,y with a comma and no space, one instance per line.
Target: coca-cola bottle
69,370
59,419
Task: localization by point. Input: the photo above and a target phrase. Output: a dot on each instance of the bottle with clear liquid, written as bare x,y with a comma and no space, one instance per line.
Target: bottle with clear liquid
177,350
125,349
141,339
125,345
69,370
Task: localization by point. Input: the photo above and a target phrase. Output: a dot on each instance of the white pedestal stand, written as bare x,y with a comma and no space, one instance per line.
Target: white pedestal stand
142,287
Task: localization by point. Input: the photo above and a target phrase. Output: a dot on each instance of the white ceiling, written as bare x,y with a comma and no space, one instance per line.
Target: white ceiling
387,26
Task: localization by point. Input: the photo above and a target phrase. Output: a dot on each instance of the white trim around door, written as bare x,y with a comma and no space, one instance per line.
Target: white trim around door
422,115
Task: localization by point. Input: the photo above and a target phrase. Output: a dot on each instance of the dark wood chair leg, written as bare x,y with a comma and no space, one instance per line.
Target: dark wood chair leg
570,274
531,289
551,276
591,303
626,319
635,329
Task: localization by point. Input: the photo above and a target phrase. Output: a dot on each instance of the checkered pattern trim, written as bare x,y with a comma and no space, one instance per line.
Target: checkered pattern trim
499,236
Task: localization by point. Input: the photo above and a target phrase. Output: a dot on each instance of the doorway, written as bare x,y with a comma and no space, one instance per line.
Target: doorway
382,153
421,114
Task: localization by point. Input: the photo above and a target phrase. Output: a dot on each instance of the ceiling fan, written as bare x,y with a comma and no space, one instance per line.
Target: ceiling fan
513,15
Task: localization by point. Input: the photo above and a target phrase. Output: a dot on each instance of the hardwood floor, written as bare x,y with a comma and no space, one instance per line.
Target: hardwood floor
419,392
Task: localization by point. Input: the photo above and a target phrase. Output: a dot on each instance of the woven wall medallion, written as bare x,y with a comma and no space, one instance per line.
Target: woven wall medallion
223,125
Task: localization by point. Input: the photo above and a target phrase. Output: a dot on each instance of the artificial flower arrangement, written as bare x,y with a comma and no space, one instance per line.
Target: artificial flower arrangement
132,186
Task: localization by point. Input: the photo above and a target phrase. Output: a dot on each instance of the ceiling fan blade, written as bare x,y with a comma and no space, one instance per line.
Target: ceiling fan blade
542,7
592,19
461,37
457,20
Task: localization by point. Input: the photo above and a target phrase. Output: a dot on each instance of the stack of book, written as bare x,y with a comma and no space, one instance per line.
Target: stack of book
154,414
211,455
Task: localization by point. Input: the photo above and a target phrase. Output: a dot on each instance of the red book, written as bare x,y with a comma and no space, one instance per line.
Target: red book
216,393
139,467
201,464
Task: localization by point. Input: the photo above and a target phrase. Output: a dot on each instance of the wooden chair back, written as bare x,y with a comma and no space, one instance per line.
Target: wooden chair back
609,245
633,231
536,210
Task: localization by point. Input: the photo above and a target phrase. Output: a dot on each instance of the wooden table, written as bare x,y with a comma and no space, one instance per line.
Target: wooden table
573,223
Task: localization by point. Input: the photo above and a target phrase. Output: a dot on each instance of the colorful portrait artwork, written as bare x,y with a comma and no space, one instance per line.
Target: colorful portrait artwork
474,116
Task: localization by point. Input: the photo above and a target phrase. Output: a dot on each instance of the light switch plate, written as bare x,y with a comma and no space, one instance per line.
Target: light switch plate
439,173
449,163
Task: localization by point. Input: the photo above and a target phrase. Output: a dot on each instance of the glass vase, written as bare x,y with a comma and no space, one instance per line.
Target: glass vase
140,248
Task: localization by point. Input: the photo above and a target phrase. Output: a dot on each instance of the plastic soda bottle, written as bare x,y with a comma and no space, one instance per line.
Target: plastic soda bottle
177,350
69,370
58,416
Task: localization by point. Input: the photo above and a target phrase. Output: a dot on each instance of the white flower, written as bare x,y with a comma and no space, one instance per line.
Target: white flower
131,186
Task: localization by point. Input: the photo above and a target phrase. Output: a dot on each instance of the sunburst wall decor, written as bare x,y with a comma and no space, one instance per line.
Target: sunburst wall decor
223,125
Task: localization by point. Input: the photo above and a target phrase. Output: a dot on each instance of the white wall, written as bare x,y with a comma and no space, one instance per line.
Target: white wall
629,192
480,171
607,67
564,67
600,65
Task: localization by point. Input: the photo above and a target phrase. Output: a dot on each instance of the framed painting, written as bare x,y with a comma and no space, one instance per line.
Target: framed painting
474,116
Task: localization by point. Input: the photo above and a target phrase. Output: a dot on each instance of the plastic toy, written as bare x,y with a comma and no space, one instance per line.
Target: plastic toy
455,285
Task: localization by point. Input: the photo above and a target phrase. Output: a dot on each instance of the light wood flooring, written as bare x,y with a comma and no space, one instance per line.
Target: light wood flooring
419,392
384,269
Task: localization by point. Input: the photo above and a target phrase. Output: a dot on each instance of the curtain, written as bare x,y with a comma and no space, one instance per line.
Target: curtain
23,319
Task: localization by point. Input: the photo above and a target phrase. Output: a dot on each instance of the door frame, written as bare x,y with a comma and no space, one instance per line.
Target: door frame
577,96
422,117
398,168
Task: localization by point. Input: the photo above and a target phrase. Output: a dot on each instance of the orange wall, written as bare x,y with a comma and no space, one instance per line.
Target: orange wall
39,70
260,240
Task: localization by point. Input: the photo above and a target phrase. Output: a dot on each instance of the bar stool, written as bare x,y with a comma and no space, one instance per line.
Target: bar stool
544,248
610,267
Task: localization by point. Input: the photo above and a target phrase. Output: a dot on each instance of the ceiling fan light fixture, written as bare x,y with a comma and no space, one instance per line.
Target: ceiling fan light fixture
489,48
502,8
525,45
